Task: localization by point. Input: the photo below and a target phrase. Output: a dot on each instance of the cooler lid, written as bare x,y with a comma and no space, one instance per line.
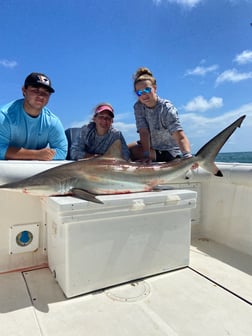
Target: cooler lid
172,199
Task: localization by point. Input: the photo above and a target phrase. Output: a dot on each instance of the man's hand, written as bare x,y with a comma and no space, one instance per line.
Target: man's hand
45,154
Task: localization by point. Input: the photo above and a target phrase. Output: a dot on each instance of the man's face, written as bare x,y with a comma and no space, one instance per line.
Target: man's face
36,97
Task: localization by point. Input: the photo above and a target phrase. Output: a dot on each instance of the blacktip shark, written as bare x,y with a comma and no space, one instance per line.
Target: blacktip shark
111,174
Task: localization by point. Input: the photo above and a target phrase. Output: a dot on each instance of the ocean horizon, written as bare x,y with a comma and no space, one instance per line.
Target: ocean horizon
241,157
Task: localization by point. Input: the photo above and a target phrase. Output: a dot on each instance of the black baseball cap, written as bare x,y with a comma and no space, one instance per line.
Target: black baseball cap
39,79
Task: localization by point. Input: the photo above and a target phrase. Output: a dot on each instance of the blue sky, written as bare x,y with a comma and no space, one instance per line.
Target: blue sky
200,52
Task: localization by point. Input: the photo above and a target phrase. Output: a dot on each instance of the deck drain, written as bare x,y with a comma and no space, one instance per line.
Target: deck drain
132,292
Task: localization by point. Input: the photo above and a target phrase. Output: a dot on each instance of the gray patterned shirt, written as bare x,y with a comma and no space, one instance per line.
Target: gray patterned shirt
161,121
90,142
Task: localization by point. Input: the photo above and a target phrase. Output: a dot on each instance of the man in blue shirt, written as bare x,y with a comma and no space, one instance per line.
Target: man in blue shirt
28,129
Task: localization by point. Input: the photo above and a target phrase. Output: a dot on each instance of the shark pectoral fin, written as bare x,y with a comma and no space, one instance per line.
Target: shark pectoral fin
87,196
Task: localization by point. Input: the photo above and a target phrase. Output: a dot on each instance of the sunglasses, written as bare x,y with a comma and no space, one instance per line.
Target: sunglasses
146,90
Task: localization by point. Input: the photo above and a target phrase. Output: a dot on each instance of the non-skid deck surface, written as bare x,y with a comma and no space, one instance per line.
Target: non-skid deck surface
181,302
226,266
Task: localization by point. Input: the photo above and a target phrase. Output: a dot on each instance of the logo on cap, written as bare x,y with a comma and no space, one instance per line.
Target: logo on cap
43,79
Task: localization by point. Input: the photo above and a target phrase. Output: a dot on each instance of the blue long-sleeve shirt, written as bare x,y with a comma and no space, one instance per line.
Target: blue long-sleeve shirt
90,142
18,129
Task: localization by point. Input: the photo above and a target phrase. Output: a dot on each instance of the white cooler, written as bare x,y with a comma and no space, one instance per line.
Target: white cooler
92,246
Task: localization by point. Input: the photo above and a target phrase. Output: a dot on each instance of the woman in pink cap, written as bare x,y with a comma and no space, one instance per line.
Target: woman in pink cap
96,137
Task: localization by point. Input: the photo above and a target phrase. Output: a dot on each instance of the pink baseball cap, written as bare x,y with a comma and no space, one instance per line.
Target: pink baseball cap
105,107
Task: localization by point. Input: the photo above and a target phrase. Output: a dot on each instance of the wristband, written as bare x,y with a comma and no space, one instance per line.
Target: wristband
186,155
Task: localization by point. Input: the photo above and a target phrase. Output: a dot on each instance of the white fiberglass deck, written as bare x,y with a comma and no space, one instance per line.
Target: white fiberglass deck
211,297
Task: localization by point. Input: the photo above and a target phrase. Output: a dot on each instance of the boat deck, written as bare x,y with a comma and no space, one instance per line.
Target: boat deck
212,297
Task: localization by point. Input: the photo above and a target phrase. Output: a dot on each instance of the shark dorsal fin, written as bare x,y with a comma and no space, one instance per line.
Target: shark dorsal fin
114,151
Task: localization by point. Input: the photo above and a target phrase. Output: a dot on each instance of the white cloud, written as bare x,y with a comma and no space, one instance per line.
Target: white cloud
200,104
185,3
8,64
129,131
200,128
233,76
244,58
201,70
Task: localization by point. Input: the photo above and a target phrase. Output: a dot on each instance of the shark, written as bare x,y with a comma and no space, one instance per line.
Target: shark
110,174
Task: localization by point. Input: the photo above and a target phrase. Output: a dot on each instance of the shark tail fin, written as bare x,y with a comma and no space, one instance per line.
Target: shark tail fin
207,154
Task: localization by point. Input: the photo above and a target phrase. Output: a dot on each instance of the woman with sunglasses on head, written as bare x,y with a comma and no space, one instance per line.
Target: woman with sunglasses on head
162,138
96,137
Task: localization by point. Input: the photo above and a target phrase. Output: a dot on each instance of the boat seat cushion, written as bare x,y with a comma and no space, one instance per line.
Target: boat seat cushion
71,134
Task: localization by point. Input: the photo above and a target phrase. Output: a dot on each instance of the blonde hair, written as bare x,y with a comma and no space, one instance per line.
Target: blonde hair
143,74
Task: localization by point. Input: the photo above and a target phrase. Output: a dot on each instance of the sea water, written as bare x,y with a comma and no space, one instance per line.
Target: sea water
242,157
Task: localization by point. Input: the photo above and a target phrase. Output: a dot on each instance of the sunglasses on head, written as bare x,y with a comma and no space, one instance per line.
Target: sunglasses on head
146,90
